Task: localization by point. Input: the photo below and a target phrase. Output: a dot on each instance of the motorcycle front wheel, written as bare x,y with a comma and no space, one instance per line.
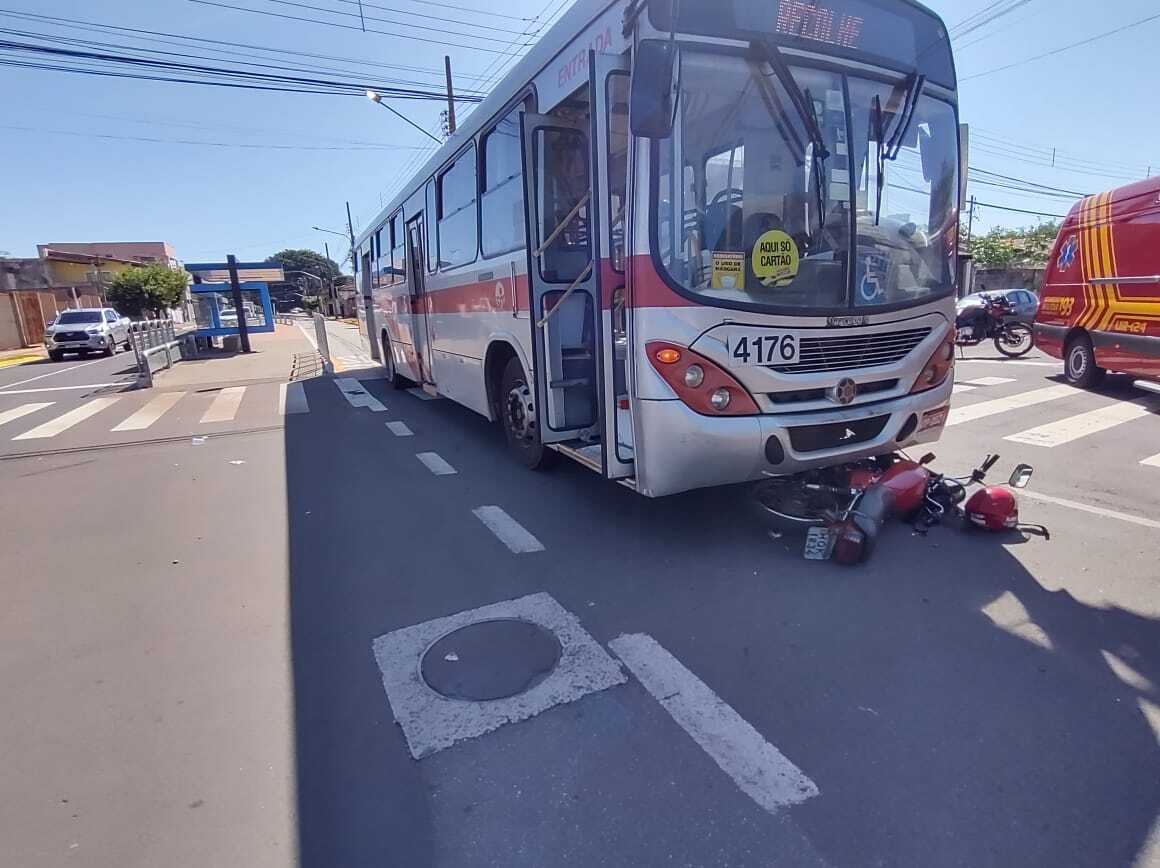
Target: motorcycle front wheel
1015,339
785,504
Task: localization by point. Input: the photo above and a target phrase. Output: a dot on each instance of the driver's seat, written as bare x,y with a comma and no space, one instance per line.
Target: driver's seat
722,216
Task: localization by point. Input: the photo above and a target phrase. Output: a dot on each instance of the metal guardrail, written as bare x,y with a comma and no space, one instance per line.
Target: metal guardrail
148,334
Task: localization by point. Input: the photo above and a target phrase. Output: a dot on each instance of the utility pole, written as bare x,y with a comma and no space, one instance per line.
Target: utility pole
450,97
329,279
239,305
971,221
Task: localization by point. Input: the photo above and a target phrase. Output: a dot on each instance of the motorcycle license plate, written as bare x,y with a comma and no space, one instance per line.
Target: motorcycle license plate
819,544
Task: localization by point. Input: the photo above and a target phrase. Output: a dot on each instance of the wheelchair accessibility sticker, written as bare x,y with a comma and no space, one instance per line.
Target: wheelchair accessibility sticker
873,270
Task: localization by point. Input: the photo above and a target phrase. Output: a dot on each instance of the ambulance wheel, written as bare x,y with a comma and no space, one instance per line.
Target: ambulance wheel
520,420
1080,366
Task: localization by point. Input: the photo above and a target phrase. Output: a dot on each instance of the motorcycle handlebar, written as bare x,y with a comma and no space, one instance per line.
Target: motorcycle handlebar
989,463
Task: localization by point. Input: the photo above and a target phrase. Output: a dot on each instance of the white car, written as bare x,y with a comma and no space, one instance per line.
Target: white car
98,329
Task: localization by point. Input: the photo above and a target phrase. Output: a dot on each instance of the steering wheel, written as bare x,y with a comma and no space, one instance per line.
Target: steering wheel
729,194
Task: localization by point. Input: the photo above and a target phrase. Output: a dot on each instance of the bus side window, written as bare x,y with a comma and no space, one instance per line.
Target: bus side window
563,185
617,166
431,235
458,221
397,248
504,229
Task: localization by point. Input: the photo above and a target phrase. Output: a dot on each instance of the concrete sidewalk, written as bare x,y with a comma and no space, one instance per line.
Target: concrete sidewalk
272,359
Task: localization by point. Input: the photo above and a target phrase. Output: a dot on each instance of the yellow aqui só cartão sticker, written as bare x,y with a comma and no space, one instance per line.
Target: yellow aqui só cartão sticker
775,258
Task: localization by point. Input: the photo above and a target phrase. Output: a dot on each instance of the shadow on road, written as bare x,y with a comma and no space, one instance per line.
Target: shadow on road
951,708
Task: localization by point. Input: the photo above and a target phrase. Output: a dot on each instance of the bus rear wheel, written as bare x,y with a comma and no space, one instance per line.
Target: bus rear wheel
394,379
1080,366
519,418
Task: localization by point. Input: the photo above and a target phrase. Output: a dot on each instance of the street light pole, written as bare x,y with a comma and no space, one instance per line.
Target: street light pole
376,97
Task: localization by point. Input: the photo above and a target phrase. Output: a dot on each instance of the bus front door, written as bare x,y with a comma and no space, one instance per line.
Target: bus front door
419,303
563,279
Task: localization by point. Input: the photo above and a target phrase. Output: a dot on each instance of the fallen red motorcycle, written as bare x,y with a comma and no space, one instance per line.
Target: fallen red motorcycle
842,509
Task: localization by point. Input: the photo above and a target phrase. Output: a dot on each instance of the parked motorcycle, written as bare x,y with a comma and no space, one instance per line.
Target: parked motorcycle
842,509
991,321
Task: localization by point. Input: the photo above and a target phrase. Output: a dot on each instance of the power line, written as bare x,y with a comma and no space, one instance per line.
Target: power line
1026,182
981,19
215,75
98,27
343,26
283,65
1020,210
364,17
245,145
488,13
1062,49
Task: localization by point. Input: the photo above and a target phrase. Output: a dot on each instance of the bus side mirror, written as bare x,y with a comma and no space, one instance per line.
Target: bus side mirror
656,81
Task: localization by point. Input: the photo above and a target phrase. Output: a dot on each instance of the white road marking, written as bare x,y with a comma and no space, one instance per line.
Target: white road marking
1092,510
151,412
1154,461
292,399
510,532
431,722
21,411
67,420
309,336
225,405
436,464
400,429
1026,362
358,396
63,388
758,768
1074,427
961,387
990,381
981,410
50,374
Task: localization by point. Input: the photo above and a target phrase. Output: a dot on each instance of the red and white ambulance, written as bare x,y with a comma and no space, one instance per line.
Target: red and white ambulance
1100,306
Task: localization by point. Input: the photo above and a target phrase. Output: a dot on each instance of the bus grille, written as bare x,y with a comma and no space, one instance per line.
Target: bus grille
852,352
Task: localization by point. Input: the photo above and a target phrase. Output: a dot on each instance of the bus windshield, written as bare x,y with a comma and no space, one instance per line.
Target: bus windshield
753,211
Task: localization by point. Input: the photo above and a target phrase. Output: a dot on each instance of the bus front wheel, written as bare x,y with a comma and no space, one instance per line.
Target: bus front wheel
1080,363
519,418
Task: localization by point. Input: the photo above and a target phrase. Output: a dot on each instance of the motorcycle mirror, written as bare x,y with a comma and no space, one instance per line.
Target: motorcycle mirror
1022,476
926,459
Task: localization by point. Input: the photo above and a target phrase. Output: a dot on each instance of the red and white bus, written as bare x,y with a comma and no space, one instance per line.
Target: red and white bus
691,252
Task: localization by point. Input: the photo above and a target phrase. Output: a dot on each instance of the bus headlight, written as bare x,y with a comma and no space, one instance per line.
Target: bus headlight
702,385
938,367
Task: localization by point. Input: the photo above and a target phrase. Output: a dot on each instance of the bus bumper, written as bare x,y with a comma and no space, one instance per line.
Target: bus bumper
679,450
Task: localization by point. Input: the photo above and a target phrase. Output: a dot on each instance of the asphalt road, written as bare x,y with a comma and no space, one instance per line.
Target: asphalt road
192,677
87,372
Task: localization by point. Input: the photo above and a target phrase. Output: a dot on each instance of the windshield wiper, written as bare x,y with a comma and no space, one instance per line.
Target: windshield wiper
888,149
772,55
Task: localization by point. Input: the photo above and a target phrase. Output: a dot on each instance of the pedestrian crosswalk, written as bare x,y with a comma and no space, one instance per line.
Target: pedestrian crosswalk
1029,411
128,416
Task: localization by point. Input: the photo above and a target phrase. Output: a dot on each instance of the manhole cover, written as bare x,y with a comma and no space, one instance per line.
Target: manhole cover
490,660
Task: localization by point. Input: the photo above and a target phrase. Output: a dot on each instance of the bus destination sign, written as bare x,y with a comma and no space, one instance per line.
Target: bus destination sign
819,23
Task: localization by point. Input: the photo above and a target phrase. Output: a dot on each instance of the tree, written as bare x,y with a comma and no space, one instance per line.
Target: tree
152,289
308,261
1019,248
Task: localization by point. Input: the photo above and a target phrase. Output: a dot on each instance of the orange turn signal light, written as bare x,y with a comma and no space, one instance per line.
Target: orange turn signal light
668,356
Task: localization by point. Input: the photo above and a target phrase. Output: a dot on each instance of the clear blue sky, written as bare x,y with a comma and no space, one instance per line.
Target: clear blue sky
1095,104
